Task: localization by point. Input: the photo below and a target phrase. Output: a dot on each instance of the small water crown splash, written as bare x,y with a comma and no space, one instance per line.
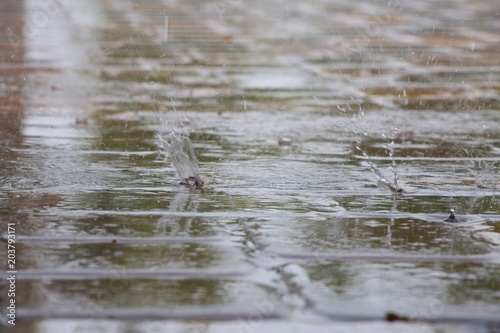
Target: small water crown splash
352,124
452,218
393,186
382,180
178,148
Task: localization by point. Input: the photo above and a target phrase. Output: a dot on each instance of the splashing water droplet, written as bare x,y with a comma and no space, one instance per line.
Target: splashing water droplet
180,151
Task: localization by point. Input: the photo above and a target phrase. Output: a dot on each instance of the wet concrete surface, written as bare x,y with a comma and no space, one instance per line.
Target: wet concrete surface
307,236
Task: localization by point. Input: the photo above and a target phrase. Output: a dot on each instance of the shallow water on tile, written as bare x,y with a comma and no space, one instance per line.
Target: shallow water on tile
305,120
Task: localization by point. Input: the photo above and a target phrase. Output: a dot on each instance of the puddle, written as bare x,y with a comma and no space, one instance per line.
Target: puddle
303,123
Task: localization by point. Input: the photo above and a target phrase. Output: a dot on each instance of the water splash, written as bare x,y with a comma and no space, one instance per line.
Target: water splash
482,171
452,218
391,185
178,148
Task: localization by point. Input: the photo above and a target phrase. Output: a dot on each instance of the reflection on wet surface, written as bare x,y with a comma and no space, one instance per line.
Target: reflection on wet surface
315,234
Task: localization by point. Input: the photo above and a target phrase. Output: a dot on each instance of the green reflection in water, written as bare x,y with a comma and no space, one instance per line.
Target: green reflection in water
88,295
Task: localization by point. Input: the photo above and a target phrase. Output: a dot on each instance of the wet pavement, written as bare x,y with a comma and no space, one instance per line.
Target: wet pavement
306,119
